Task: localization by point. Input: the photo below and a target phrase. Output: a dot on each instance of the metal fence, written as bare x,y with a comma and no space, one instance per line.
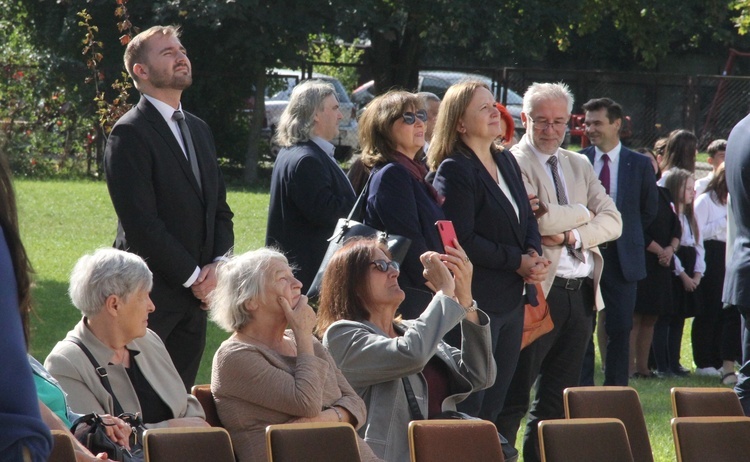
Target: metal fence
708,105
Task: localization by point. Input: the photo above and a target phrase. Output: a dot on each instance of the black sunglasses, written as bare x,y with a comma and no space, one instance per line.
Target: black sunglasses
382,265
411,117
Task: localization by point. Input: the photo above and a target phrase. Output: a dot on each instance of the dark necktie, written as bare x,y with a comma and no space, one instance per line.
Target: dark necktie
562,199
604,174
187,140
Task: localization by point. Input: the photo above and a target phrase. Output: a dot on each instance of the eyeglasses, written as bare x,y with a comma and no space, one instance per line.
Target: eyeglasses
382,265
543,124
411,117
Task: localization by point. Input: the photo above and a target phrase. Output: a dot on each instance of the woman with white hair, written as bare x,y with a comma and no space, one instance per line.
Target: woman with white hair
264,373
111,289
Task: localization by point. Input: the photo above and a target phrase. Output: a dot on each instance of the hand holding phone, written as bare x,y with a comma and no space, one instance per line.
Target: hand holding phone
447,232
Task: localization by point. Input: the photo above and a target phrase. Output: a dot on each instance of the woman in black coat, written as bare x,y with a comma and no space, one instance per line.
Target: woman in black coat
490,209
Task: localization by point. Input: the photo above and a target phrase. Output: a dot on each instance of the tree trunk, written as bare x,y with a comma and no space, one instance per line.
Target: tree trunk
395,62
256,125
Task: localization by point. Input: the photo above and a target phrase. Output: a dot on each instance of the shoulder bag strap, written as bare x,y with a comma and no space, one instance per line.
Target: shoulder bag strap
416,414
358,210
100,371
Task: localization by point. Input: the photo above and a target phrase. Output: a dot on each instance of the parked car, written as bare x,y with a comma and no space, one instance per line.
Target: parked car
281,82
438,82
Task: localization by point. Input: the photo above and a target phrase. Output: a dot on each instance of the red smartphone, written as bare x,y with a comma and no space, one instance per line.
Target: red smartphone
447,232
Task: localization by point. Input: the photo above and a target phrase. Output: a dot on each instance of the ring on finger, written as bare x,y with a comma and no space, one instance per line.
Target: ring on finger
466,259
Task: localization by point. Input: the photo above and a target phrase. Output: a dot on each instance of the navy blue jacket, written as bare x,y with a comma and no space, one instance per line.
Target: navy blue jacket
309,193
400,204
487,227
637,201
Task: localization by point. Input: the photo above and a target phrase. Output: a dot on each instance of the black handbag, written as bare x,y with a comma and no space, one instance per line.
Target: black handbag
95,438
351,227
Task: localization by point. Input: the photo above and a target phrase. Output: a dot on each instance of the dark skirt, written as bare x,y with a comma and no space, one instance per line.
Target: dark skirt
686,304
654,297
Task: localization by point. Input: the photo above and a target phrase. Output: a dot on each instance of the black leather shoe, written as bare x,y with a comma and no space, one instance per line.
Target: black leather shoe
681,372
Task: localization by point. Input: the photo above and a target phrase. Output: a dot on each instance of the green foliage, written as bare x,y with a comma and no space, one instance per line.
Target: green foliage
325,48
44,132
742,21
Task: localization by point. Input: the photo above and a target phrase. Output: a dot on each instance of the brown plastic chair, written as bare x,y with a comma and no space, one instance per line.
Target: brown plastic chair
582,440
187,443
312,442
705,402
714,439
62,449
441,441
206,398
620,403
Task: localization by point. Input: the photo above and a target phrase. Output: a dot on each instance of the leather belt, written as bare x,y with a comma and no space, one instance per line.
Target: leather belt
569,284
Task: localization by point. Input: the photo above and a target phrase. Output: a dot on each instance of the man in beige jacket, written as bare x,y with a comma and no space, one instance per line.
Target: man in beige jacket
579,216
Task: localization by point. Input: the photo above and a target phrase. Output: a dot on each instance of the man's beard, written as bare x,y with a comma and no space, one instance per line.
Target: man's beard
175,81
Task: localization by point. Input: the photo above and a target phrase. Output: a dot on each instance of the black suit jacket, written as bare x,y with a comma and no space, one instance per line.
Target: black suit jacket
487,226
162,214
309,193
637,202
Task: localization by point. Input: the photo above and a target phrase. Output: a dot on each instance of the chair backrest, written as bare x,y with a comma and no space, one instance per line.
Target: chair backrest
62,449
187,443
206,398
312,442
584,440
620,403
725,438
441,441
705,402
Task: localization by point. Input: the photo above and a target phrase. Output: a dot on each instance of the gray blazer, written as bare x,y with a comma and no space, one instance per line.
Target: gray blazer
70,366
374,364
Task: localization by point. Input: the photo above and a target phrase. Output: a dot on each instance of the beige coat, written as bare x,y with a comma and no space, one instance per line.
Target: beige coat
583,187
70,366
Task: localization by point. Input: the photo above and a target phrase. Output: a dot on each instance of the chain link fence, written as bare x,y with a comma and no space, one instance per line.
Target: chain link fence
656,104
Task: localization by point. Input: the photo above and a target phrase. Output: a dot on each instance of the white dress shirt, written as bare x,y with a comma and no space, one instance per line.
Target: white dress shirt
688,240
568,266
711,217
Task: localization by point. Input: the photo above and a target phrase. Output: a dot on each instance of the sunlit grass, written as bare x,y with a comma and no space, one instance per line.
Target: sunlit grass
62,220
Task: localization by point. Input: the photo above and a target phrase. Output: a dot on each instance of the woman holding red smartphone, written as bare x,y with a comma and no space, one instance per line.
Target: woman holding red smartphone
486,200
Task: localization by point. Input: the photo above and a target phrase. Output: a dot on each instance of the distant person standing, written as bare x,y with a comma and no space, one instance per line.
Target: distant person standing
169,194
431,103
309,191
717,151
629,180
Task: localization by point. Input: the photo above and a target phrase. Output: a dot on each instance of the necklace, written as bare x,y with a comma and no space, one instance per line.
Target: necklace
121,357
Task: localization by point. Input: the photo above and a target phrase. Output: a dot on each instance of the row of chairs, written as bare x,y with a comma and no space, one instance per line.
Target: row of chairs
708,424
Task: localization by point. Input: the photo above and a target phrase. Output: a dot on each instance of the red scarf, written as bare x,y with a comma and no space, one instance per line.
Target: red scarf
418,170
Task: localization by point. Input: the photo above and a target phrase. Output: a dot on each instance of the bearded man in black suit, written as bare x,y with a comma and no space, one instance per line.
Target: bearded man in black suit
169,194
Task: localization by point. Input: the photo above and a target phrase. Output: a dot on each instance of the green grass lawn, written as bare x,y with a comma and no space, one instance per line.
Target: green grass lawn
62,220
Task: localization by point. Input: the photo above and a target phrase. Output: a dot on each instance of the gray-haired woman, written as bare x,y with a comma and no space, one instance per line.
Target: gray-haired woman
265,373
111,289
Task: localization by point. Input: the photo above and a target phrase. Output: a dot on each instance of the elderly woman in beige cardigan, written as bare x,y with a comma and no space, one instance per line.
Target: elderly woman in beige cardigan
111,289
264,373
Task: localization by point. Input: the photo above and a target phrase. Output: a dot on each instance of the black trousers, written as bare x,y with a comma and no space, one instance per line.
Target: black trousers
184,336
619,297
555,360
507,332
